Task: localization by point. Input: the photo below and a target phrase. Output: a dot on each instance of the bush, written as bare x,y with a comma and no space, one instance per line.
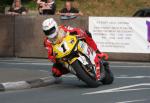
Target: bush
6,2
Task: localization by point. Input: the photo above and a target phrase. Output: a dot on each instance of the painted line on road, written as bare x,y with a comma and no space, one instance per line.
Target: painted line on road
132,101
117,89
49,64
127,62
128,67
132,77
137,89
118,77
28,63
22,60
31,60
69,76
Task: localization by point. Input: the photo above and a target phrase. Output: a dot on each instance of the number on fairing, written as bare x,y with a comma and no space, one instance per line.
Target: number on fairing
63,47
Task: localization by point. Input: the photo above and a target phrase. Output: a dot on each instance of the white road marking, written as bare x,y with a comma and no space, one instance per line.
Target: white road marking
127,67
69,76
117,89
137,89
3,60
119,77
46,71
114,66
30,60
50,63
127,62
132,101
132,77
21,60
28,63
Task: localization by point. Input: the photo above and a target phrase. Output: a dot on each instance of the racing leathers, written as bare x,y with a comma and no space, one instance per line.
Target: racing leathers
58,69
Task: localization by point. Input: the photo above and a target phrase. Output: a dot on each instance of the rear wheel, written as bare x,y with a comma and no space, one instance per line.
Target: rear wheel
83,75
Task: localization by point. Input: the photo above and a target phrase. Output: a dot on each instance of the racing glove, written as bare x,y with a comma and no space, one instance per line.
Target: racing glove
101,55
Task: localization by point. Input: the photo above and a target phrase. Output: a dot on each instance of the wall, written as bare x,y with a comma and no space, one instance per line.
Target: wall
29,36
6,36
22,36
129,57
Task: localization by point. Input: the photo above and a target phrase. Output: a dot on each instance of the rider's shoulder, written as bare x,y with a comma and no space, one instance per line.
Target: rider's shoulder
47,40
66,27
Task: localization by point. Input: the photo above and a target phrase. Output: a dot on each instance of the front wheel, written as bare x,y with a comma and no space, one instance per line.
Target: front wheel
109,78
83,75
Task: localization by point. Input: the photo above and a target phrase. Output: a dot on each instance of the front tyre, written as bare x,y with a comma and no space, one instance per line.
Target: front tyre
109,78
83,75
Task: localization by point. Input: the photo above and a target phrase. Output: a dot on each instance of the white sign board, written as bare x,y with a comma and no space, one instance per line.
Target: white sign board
121,34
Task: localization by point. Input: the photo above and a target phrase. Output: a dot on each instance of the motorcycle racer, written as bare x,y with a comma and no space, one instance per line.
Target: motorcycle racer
54,34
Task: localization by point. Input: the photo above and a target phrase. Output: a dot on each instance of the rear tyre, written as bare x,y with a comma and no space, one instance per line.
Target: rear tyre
83,75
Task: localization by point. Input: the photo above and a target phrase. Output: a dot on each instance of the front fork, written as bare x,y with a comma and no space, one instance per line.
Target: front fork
96,68
100,69
70,68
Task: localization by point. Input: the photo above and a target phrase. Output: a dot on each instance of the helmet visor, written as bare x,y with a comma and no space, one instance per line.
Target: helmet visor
50,32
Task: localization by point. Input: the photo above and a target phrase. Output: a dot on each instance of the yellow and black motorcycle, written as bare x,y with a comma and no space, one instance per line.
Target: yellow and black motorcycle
78,58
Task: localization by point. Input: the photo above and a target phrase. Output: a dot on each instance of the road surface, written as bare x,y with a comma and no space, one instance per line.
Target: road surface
131,85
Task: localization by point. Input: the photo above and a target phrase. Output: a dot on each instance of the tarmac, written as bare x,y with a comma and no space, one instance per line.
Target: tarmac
131,84
17,78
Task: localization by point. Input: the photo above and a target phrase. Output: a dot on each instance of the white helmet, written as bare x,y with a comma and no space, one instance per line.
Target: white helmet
50,28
